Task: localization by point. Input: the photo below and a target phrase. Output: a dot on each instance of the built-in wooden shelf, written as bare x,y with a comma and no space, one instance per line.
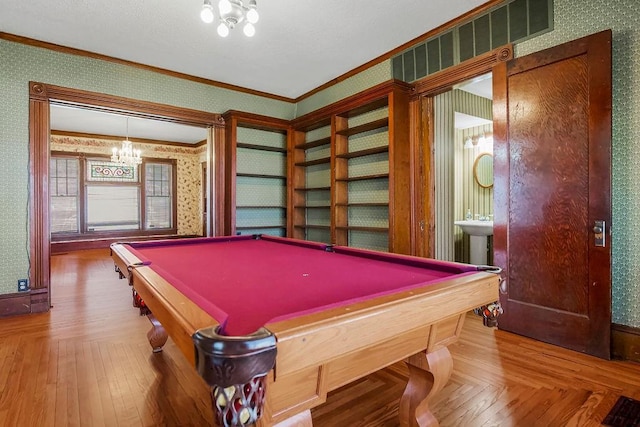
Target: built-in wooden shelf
261,147
360,228
260,207
314,144
260,175
376,124
315,162
269,137
312,188
255,227
315,227
352,121
364,177
364,205
362,153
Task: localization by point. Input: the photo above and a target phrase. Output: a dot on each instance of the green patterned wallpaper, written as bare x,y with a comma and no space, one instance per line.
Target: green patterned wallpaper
20,64
370,77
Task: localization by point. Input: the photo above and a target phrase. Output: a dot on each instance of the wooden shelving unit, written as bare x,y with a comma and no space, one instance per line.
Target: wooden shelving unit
256,174
350,164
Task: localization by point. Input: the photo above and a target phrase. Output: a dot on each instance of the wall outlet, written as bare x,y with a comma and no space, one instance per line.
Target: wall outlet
23,285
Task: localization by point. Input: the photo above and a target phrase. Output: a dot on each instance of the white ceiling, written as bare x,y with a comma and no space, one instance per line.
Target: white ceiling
465,121
481,86
299,44
80,120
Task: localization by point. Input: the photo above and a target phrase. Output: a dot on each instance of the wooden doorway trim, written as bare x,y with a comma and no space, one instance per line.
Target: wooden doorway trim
421,118
41,95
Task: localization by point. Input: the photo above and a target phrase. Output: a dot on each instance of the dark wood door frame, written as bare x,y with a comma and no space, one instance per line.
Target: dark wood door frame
421,138
41,95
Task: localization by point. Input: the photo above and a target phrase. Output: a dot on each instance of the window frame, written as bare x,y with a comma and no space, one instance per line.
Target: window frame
84,234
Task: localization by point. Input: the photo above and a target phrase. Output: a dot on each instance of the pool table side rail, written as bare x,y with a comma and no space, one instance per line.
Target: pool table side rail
311,339
180,316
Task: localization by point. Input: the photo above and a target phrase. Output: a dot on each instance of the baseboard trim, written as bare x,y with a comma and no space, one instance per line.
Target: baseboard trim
34,301
625,342
63,247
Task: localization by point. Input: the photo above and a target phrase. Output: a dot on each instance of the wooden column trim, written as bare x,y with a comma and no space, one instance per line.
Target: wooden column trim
217,204
39,250
443,81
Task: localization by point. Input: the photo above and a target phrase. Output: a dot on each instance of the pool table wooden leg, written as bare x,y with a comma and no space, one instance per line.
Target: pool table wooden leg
428,374
157,335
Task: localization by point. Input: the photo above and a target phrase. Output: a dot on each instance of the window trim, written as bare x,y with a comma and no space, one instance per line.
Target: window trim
84,234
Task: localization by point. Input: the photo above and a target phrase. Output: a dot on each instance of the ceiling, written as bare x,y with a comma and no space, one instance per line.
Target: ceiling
70,119
299,44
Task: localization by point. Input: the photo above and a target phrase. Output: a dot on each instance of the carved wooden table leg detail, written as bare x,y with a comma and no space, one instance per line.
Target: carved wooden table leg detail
157,335
428,374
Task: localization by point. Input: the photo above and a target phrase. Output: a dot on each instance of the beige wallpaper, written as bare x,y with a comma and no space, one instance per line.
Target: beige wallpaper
189,172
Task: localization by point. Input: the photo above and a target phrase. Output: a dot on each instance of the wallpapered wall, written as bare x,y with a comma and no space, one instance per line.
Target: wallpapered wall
574,19
189,172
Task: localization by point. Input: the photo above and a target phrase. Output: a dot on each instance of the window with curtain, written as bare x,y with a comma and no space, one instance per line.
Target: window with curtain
111,198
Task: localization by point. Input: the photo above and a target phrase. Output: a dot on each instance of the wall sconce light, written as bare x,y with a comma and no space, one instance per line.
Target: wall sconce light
484,140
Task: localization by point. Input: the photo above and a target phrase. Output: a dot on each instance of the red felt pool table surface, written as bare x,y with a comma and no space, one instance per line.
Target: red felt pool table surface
246,282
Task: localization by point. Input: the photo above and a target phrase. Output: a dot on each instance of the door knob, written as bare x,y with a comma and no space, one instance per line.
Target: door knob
598,233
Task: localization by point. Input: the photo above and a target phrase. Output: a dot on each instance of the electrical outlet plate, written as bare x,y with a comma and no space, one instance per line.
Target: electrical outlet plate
23,285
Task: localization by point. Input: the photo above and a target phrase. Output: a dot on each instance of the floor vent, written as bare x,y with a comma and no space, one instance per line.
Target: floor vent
625,413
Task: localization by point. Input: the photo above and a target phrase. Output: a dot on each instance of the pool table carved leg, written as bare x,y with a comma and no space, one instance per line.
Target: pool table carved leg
157,335
428,374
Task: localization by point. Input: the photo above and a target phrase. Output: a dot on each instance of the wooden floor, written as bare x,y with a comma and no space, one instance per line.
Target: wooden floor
88,363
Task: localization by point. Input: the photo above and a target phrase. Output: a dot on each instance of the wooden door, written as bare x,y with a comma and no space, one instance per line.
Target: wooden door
552,147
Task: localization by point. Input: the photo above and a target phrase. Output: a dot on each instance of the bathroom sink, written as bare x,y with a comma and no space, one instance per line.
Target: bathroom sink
476,227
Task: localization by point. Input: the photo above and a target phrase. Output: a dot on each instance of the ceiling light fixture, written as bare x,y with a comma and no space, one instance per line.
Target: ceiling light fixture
126,155
232,13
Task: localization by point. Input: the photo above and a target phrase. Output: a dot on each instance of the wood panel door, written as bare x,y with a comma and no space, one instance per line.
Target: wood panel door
552,165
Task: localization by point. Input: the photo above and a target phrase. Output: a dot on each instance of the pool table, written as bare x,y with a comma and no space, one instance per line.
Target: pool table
273,324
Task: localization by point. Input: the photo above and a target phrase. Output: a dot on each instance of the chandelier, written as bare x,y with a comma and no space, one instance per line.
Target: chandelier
126,155
232,13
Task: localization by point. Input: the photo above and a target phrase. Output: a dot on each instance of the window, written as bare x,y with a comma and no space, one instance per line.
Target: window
158,180
63,178
111,199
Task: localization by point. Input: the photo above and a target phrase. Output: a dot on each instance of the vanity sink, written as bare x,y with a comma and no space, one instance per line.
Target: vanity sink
476,227
478,232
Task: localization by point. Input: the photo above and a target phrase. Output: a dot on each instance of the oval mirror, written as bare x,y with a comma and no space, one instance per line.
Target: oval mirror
483,170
